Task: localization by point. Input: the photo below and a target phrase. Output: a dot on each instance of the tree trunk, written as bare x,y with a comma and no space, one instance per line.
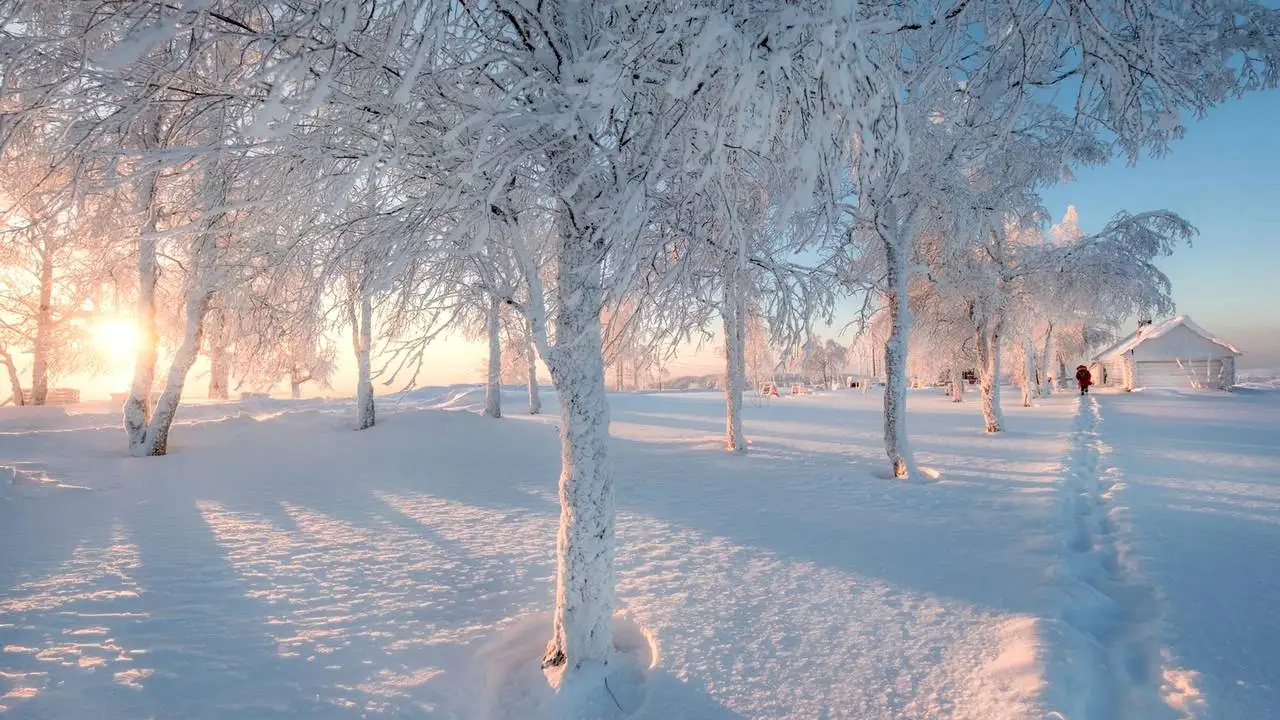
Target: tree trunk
493,387
15,383
156,441
219,355
901,462
295,384
733,313
957,383
44,331
1029,384
137,408
362,336
989,360
535,399
582,632
1046,387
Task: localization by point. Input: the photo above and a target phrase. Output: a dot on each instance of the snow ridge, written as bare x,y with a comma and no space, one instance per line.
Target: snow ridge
1108,658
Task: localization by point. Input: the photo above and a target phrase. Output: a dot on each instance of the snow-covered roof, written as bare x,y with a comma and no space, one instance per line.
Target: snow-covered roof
1151,332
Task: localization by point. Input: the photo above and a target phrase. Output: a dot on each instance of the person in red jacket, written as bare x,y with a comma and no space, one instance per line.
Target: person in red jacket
1085,378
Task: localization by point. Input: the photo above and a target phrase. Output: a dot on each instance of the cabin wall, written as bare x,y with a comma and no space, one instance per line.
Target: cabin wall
1108,373
1197,374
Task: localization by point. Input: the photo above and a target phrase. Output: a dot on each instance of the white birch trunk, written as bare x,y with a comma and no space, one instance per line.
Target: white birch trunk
957,383
1129,372
531,352
362,334
44,331
1046,360
989,359
735,330
15,383
137,408
295,384
156,439
1028,374
493,385
582,632
219,355
901,462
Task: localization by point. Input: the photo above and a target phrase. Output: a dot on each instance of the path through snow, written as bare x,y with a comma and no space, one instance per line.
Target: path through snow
1107,665
1202,485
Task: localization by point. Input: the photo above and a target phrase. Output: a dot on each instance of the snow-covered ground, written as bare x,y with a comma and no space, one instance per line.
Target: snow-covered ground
277,564
1201,481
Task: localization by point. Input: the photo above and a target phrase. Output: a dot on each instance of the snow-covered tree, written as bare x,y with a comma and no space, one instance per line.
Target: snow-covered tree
610,124
761,359
58,255
1087,81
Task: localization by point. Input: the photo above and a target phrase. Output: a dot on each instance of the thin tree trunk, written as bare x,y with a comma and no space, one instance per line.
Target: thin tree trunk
902,463
362,337
137,408
493,386
535,399
1029,383
957,383
582,632
156,441
15,383
295,384
989,359
219,355
1046,387
44,331
735,330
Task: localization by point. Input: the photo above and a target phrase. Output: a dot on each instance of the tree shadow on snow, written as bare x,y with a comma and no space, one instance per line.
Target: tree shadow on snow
957,540
354,578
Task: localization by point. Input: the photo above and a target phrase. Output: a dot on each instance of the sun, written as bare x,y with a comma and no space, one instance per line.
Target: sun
116,339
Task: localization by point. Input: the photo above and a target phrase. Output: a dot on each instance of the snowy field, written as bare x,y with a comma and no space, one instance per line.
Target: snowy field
1111,558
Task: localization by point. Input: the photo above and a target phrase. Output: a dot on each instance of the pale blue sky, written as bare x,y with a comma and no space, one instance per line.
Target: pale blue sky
1222,177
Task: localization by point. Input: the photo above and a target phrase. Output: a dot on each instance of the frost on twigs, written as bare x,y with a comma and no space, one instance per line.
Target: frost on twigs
510,682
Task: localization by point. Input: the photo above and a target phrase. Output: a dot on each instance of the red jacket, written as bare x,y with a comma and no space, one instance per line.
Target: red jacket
1084,377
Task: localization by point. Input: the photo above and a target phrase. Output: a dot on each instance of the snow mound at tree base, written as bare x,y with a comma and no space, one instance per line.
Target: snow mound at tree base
510,682
922,476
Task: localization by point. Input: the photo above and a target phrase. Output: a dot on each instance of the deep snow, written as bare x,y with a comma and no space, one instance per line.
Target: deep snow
278,564
1201,481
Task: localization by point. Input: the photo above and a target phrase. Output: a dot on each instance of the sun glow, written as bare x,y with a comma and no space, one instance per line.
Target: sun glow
116,339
